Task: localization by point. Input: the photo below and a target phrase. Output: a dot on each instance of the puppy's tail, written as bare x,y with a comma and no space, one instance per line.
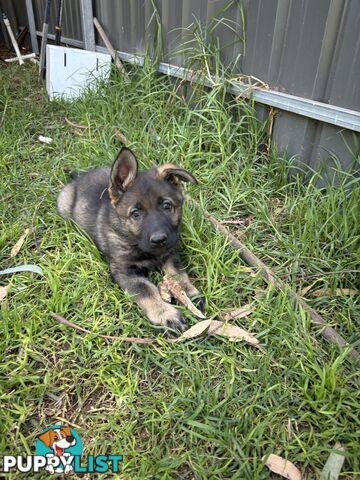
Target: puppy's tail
66,200
72,174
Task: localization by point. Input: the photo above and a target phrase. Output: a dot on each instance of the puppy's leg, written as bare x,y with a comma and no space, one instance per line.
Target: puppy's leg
147,296
174,268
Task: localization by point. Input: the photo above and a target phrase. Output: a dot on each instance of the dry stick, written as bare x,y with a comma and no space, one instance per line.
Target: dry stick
328,332
63,320
75,125
120,136
111,49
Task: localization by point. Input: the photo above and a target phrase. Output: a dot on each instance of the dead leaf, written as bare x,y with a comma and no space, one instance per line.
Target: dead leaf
233,332
3,292
195,331
328,292
338,292
306,289
239,312
259,293
15,249
334,463
216,327
283,467
170,286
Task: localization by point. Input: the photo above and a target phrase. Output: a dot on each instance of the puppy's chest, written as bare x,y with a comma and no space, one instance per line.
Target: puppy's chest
144,263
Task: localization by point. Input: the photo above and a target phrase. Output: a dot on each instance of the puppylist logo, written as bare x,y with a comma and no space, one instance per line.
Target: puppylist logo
59,449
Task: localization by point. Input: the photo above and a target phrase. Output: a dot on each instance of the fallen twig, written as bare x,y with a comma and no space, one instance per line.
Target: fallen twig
75,125
120,136
107,337
327,332
244,223
245,253
216,327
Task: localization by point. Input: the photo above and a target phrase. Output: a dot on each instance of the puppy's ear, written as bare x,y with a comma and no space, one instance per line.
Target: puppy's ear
47,438
174,175
123,173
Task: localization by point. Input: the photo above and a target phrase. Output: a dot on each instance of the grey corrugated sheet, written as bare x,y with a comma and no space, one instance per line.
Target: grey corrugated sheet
309,48
71,27
16,11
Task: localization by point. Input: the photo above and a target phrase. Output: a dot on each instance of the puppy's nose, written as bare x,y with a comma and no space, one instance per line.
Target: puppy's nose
158,238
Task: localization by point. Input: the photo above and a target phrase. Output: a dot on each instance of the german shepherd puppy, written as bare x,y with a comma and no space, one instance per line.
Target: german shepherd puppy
134,219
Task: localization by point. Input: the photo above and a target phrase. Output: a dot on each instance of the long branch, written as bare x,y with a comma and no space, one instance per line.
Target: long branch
251,259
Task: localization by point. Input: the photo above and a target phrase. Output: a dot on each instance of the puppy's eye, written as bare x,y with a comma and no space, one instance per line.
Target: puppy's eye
167,205
135,213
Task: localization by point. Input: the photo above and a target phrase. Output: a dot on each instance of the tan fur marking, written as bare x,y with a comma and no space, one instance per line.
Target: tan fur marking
162,170
114,197
178,174
182,278
157,310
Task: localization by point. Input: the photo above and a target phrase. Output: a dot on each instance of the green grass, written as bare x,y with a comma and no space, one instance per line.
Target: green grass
208,408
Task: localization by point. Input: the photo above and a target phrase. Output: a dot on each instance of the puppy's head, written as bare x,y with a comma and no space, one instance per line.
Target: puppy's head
148,203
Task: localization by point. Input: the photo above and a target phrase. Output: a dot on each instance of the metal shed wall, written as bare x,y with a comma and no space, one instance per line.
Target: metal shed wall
16,13
302,47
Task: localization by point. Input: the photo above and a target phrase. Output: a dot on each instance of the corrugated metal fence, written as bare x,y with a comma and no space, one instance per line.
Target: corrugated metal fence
305,48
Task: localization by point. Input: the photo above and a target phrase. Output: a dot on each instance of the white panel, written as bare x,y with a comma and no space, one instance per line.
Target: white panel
69,70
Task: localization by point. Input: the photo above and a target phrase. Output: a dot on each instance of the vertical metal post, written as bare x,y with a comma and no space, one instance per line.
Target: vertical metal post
32,26
87,25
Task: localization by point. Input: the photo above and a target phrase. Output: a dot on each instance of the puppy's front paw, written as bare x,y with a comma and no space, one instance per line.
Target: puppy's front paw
175,325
